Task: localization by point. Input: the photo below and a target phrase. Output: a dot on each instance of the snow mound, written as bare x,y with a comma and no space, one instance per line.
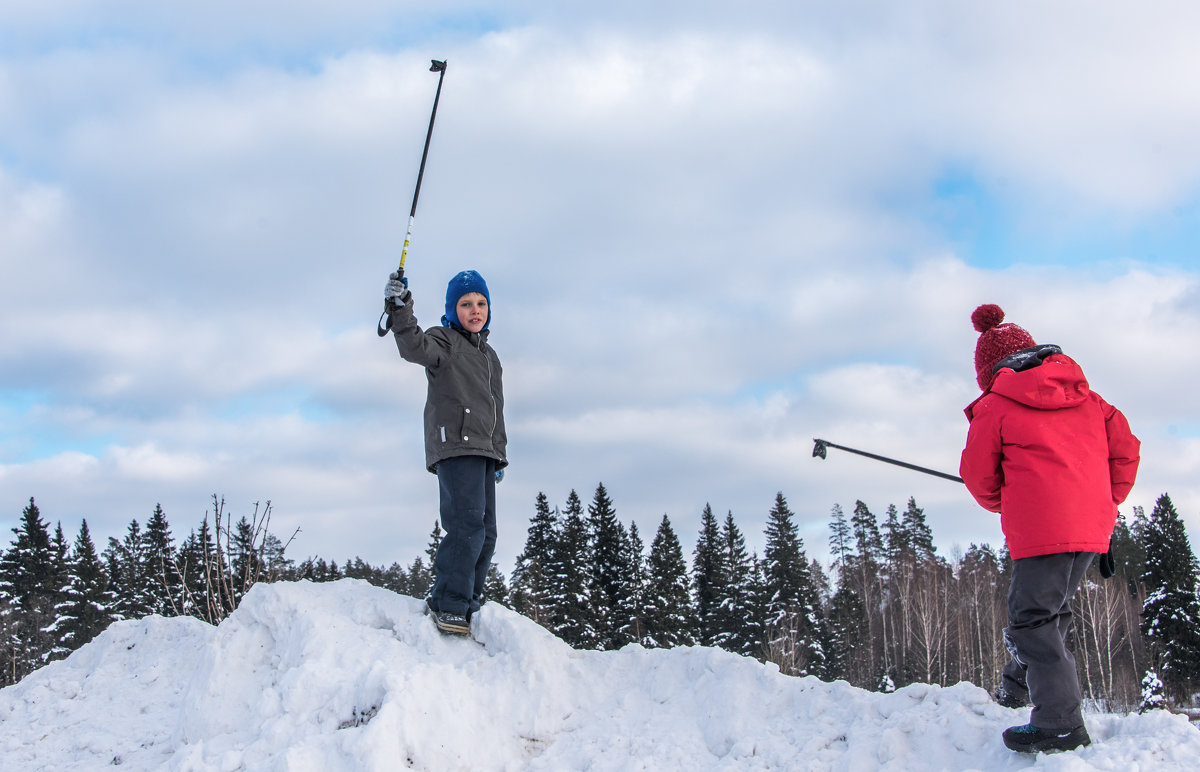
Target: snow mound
347,676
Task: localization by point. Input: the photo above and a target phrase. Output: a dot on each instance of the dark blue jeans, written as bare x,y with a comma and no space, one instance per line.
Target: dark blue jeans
468,514
1039,623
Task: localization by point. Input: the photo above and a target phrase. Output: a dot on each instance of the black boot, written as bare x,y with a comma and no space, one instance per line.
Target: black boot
1006,698
1028,738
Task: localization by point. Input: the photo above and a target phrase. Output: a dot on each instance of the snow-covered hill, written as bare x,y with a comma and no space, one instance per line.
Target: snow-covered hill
346,676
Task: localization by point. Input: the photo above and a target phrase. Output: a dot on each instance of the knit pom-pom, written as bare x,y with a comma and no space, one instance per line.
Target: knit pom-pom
986,317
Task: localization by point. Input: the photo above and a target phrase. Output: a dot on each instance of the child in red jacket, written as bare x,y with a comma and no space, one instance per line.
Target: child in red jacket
1055,460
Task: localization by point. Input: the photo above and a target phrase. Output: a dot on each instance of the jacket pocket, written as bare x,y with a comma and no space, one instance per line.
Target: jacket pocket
470,427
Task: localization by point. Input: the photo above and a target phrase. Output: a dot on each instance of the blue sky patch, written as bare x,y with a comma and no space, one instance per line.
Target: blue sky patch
994,231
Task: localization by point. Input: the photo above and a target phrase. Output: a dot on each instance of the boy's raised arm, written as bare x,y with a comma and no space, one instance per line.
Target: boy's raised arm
412,342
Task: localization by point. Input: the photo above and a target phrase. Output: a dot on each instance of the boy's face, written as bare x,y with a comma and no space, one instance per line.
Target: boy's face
472,311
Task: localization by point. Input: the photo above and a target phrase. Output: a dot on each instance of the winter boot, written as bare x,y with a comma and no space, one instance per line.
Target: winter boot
1028,738
451,623
1006,698
447,622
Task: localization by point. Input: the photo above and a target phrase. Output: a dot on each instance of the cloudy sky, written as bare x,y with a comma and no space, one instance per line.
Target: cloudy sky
710,236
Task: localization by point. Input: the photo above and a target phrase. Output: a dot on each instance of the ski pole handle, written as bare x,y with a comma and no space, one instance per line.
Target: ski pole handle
385,319
407,239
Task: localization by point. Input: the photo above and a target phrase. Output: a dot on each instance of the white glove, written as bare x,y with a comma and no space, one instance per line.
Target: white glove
395,293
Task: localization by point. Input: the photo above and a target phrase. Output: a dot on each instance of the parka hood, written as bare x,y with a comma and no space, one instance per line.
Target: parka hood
1040,377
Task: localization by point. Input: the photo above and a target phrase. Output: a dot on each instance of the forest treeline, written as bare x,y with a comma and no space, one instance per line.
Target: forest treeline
886,611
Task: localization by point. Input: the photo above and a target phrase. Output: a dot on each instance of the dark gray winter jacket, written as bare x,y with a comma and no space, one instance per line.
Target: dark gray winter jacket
464,408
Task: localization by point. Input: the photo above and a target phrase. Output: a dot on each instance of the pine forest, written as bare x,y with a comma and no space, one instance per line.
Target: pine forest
887,609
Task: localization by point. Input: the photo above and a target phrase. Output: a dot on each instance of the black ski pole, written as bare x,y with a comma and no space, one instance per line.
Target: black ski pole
1106,563
819,452
385,320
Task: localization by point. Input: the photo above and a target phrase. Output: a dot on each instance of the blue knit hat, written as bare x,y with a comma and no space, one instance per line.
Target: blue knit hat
461,284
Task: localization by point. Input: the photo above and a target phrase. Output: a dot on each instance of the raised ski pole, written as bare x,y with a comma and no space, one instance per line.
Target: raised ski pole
821,445
385,320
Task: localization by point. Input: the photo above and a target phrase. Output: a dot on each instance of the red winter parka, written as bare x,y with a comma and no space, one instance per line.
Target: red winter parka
1051,456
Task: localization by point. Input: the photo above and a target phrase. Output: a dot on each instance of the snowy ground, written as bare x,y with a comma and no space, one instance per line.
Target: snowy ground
346,676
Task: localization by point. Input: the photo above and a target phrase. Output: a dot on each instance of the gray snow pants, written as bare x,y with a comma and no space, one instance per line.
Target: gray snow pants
1039,621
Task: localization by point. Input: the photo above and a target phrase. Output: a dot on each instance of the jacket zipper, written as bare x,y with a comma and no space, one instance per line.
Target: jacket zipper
491,391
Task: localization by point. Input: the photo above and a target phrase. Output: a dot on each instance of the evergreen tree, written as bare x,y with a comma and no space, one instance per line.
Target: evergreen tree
917,533
570,580
1171,613
361,569
847,620
530,583
60,562
867,541
739,626
420,579
669,613
840,544
632,608
495,590
1152,693
166,595
245,566
762,647
191,577
821,586
1129,557
27,569
869,575
895,538
395,578
710,576
435,539
202,569
316,570
278,567
889,599
128,574
83,613
56,591
822,638
29,592
608,551
850,645
794,616
783,563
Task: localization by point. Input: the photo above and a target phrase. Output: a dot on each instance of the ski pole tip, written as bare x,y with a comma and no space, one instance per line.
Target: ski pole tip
437,66
819,448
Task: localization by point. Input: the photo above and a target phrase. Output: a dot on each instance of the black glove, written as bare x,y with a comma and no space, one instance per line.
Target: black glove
395,292
1107,566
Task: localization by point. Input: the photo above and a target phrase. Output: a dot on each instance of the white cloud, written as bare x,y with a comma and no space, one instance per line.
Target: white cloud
706,242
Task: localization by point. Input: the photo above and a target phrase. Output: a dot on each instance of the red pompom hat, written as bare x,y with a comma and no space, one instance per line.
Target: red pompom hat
996,341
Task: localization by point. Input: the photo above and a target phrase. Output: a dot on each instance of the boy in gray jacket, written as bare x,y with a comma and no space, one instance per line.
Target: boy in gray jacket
465,442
